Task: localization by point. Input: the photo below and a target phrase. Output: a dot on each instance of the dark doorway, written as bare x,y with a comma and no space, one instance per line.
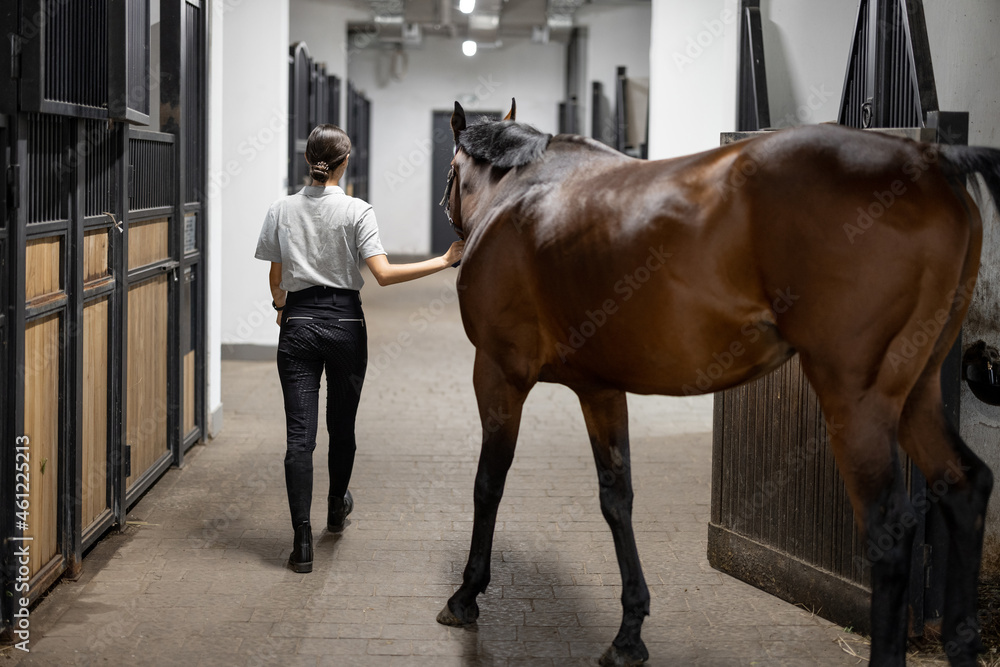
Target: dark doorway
442,235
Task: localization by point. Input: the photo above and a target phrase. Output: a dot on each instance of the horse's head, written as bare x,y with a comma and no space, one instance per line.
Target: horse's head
484,152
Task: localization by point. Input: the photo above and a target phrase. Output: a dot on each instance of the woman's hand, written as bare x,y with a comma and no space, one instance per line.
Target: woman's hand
454,252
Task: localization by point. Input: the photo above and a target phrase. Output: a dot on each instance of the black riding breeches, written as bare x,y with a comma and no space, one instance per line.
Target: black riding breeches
305,348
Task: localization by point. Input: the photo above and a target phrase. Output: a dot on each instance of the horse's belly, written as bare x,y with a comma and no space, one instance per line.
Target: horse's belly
691,355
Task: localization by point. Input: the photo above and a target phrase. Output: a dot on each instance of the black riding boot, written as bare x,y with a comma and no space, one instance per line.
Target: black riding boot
298,484
337,512
301,558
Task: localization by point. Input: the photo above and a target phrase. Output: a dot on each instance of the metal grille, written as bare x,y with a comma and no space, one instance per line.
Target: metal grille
47,168
856,104
193,127
76,52
890,80
358,119
152,170
99,148
299,110
319,96
899,107
138,55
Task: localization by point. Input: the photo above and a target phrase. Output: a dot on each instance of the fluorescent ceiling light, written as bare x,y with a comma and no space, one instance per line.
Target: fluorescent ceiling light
469,47
466,6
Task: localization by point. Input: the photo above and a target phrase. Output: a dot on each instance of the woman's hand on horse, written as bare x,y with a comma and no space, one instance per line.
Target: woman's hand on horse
454,252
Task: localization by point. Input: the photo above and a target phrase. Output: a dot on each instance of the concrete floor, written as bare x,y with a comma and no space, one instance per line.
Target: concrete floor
199,577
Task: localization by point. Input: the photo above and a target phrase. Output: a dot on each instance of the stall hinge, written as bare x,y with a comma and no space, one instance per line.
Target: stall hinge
15,56
927,565
13,186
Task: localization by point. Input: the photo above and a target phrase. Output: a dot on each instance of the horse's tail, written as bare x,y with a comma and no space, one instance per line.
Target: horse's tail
960,161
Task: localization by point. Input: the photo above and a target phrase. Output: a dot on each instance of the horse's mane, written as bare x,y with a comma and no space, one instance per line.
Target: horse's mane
503,143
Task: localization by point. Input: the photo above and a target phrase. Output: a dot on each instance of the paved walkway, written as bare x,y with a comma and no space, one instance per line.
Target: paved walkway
198,577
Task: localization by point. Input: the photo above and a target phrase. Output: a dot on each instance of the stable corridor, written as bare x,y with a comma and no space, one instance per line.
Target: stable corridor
199,577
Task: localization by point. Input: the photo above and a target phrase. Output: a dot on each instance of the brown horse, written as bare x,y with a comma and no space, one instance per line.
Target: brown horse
607,274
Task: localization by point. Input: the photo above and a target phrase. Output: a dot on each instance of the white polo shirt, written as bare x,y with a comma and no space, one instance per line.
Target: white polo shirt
320,235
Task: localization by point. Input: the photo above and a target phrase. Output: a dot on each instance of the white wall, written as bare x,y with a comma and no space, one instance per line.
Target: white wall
617,35
252,170
692,87
437,76
322,25
806,46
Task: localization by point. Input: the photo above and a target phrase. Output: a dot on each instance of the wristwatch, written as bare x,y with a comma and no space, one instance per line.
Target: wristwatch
276,306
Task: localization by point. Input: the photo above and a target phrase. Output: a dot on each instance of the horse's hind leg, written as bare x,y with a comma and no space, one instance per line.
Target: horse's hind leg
606,415
961,484
500,404
863,424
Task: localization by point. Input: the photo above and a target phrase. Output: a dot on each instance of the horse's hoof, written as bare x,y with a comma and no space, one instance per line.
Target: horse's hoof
447,617
619,657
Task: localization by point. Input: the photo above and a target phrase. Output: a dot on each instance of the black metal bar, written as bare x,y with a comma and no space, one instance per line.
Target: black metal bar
104,288
148,477
118,408
7,433
598,116
71,469
201,254
333,88
621,109
18,242
151,135
919,50
101,524
752,106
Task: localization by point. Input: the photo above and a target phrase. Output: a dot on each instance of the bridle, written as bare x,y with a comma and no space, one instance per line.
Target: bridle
446,202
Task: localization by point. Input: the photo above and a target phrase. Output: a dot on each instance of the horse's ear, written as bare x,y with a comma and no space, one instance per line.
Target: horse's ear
458,120
513,110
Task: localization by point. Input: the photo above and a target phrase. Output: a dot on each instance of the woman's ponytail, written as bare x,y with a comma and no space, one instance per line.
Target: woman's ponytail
327,148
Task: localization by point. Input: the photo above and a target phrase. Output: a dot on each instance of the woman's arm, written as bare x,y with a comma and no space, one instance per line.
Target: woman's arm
390,274
277,294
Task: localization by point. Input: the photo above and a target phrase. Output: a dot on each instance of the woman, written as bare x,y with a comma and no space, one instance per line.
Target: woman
315,240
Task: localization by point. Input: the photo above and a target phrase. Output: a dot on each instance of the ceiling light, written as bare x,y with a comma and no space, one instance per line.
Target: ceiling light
469,47
466,6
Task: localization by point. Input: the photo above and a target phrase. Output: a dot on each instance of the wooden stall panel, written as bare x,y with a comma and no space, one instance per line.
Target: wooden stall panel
95,255
146,422
148,242
43,267
42,356
95,411
189,392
